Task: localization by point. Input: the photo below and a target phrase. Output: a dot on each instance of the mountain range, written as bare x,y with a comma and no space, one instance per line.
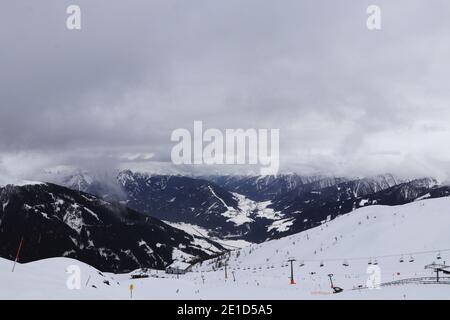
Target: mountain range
55,221
121,223
254,208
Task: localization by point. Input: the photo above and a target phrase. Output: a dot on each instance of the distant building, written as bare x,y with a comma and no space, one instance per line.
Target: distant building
178,267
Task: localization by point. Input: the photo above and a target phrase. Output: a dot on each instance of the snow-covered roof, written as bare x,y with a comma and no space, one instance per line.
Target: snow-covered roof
179,265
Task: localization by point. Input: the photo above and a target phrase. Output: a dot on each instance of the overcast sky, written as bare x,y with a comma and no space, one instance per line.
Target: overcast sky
347,100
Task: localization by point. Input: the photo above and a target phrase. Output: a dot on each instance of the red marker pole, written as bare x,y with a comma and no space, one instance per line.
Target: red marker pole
291,260
17,255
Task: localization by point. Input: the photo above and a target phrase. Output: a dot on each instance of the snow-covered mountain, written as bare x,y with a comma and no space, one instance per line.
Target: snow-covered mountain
304,197
197,202
182,200
251,208
55,221
264,188
304,210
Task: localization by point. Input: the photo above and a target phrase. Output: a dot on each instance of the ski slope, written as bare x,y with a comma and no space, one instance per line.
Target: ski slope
415,233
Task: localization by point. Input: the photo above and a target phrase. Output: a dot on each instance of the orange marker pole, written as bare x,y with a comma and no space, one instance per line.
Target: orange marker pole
131,291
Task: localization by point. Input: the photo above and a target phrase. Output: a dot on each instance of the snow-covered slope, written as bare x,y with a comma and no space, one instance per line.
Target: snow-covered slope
415,233
373,231
400,240
47,279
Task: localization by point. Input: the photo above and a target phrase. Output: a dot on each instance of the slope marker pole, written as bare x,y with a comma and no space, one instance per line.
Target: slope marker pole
131,290
291,260
17,255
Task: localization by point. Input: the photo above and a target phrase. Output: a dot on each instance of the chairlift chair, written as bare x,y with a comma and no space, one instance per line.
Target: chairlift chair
345,263
402,259
321,264
439,256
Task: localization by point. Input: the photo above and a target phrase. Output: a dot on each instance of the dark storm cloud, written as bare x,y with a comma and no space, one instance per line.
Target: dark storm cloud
346,99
